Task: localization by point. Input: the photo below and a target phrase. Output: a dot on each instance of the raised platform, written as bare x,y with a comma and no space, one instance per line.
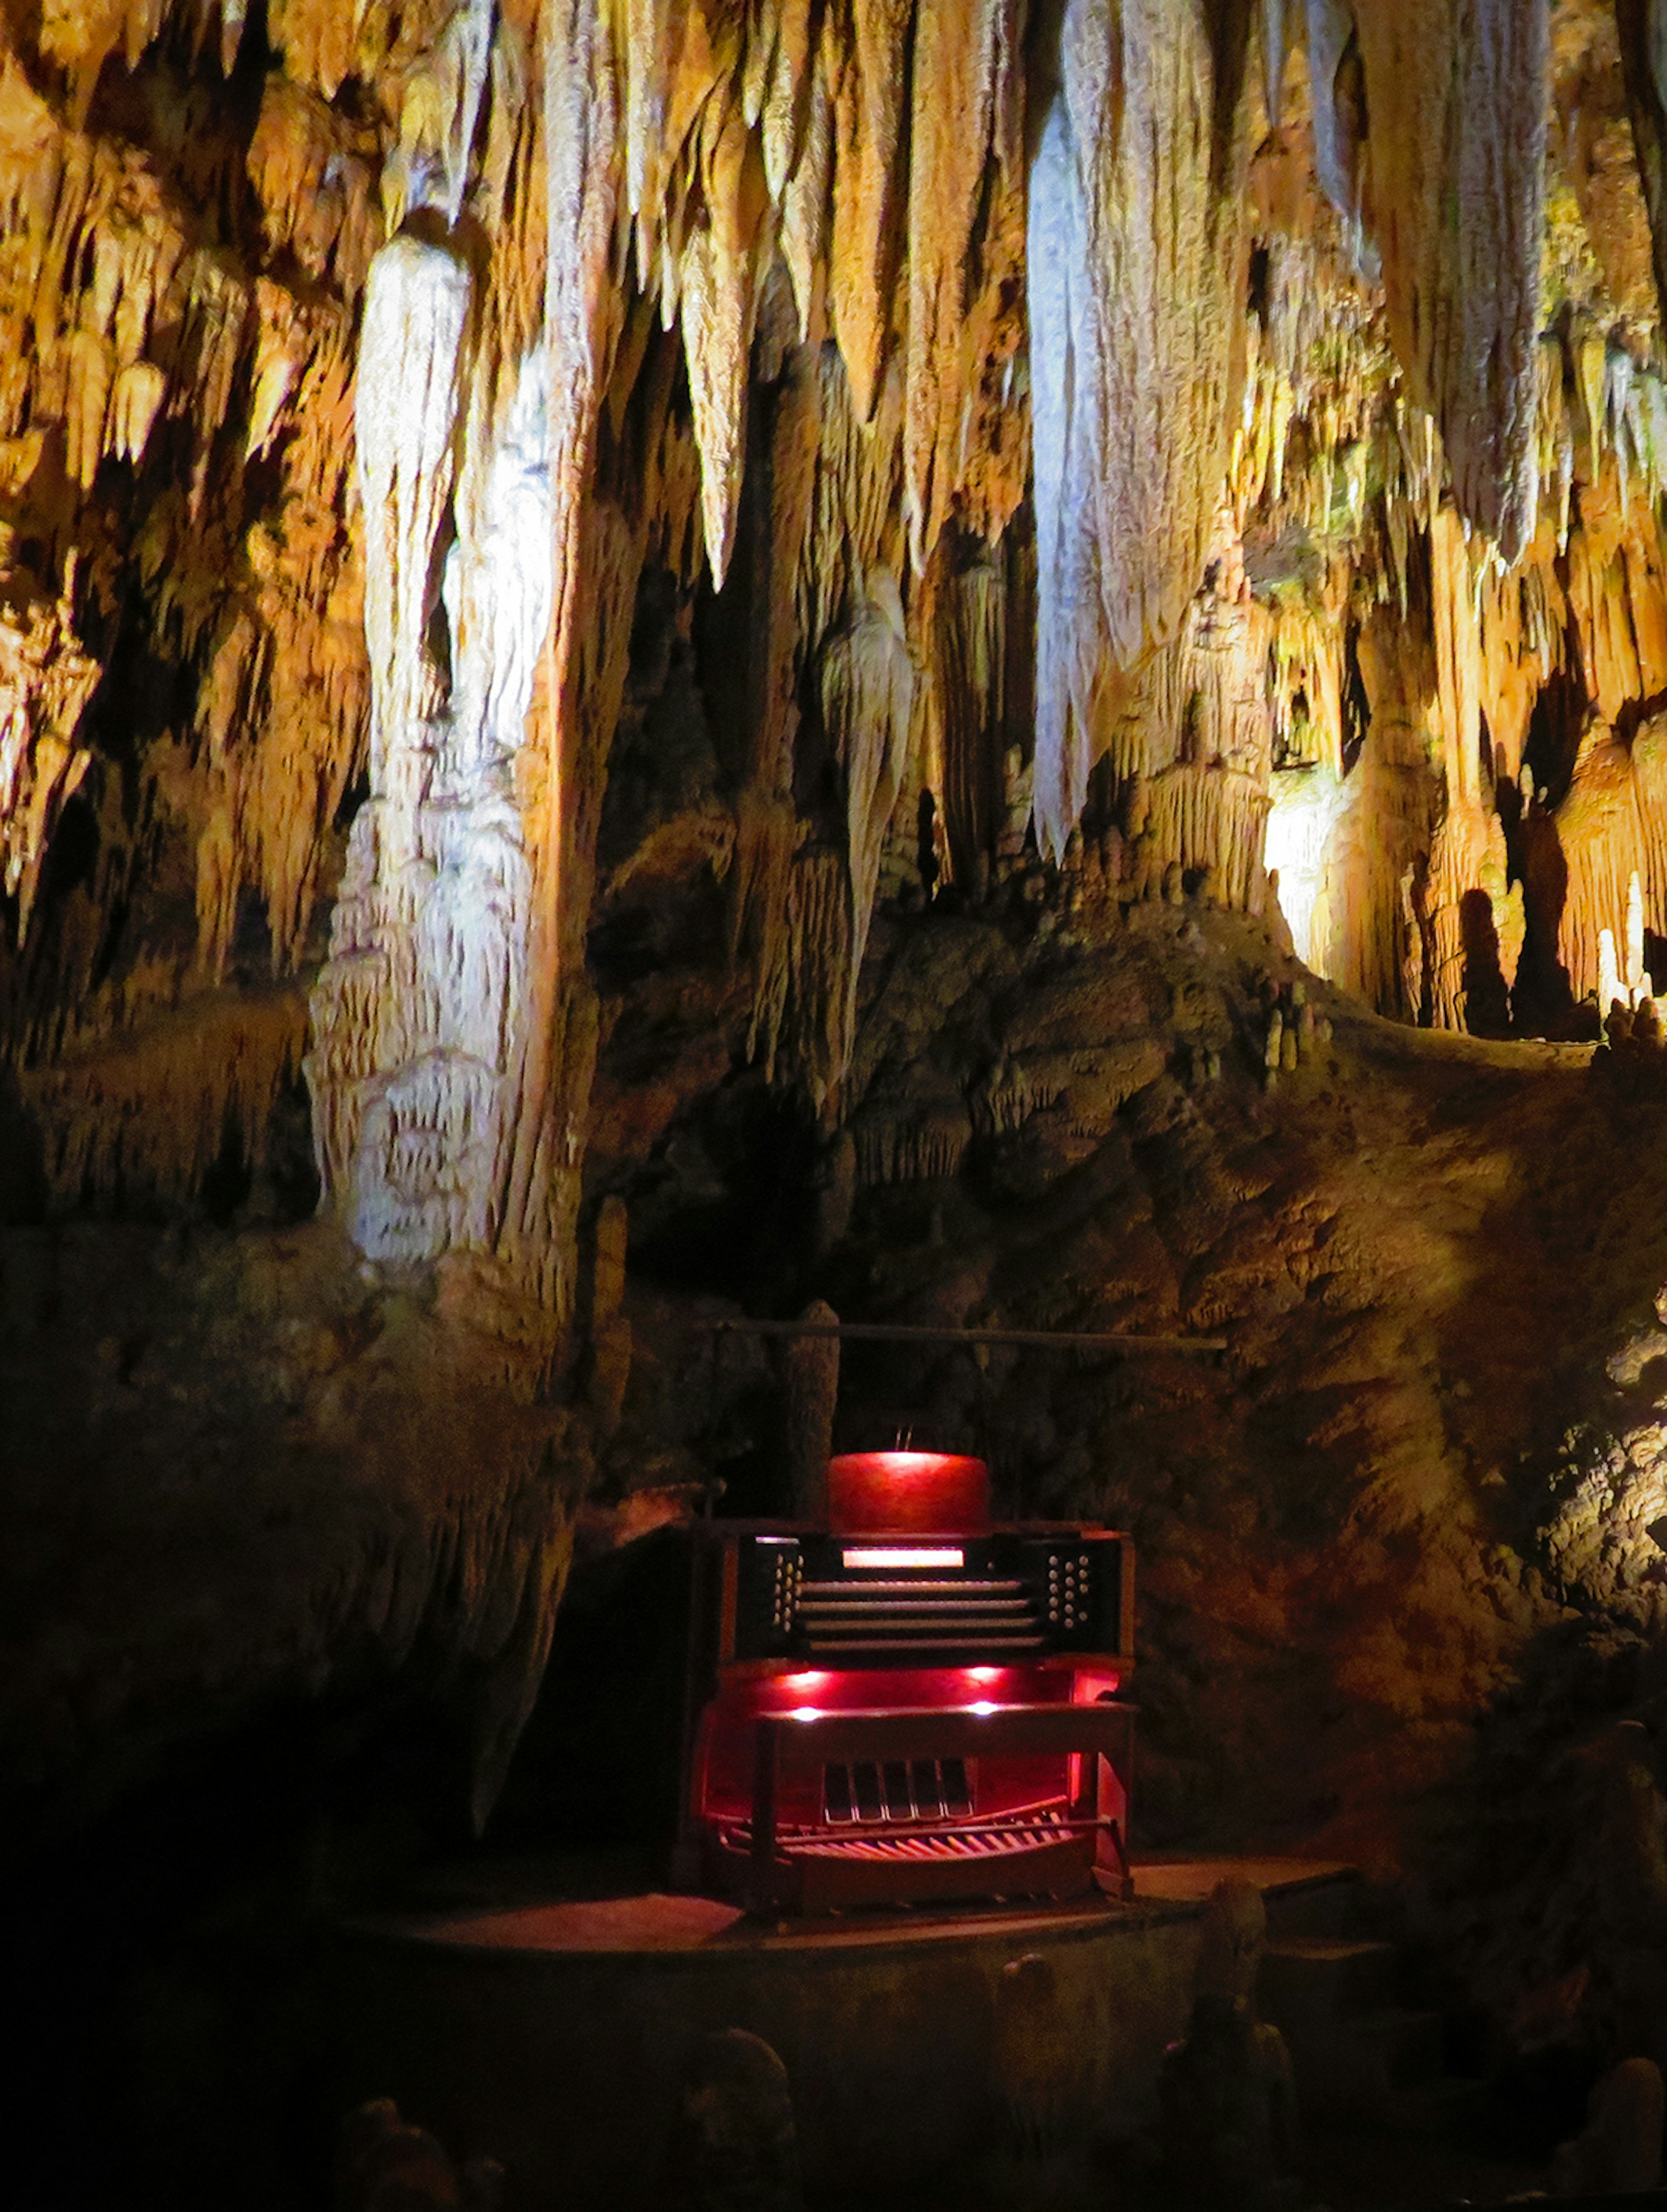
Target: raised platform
556,2036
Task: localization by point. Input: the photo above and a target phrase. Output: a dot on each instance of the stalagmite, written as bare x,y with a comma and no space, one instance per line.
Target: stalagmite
1609,992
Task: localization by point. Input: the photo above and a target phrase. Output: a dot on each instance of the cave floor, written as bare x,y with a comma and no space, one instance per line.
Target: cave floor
1368,2170
515,1939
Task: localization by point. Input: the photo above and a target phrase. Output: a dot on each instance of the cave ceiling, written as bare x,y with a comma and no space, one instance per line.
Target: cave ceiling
1241,427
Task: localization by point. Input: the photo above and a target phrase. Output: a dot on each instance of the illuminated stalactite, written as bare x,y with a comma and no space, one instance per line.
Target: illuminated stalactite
868,700
579,121
1136,216
379,1083
964,65
1454,163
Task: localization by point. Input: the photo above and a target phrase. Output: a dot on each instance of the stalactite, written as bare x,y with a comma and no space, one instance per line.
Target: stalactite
46,681
1382,831
1455,94
959,50
1191,746
581,125
760,877
868,699
1639,25
1136,230
719,293
866,238
149,1118
966,699
1066,443
1466,877
816,1017
806,192
1610,828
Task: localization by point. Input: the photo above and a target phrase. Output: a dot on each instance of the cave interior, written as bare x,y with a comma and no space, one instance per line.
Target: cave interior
991,667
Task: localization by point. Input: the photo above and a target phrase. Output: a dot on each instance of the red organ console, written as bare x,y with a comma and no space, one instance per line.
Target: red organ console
908,1705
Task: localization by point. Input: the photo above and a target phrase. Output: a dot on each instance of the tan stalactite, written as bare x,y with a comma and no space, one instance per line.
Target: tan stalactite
868,703
1467,874
1455,94
147,1118
581,124
805,198
785,90
719,289
870,39
1457,658
1638,23
46,682
1360,928
958,48
1191,746
1136,256
966,697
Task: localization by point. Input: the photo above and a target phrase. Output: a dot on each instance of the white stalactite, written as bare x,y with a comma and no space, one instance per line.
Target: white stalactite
421,1013
1069,631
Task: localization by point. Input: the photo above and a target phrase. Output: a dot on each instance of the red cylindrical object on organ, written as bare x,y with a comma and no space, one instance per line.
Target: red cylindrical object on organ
885,1494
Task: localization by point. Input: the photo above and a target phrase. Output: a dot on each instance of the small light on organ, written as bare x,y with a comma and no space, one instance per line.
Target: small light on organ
912,1555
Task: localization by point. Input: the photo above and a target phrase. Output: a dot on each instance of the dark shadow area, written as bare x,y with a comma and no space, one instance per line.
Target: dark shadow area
597,1766
22,1166
1486,1004
1541,1000
725,1204
166,1954
1555,730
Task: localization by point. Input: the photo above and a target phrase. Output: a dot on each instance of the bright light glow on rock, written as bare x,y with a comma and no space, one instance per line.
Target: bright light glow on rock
1308,805
416,1114
1063,440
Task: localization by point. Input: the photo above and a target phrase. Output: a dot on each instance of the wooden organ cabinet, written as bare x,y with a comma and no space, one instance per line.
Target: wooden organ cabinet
910,1704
